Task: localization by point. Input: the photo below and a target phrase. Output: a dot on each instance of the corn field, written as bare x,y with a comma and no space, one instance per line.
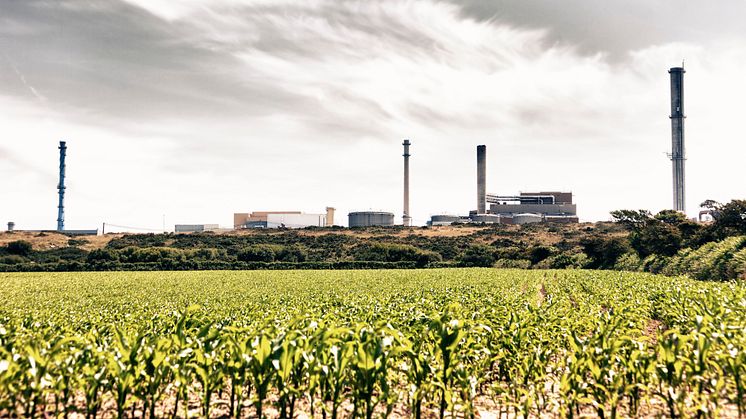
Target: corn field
333,344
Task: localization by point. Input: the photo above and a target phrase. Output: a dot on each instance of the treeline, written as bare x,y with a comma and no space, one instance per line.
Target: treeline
669,243
637,240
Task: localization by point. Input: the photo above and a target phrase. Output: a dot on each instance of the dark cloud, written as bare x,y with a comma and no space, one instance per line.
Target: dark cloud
616,27
121,62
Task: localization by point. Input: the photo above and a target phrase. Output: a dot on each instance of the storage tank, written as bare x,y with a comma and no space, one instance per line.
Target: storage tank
444,219
485,218
527,218
370,219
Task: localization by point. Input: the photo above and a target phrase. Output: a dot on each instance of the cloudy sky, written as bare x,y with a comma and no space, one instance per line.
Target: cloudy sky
196,109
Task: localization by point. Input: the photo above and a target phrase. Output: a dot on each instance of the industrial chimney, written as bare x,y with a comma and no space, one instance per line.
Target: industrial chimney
61,189
678,156
481,179
406,219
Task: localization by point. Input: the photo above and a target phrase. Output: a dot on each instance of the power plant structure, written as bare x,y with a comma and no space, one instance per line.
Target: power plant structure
481,179
370,219
60,204
406,219
524,208
195,228
282,219
678,154
61,188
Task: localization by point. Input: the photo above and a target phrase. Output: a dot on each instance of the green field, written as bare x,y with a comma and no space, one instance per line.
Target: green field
333,344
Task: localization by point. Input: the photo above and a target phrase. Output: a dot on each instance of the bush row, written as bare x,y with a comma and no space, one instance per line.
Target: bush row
167,265
723,260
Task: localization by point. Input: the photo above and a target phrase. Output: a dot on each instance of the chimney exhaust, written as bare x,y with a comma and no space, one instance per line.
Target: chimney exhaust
481,179
678,154
406,219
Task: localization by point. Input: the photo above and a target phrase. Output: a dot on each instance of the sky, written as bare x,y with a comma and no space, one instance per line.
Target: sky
190,110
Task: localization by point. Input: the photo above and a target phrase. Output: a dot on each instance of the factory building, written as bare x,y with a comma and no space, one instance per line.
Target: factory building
283,219
533,207
370,219
524,208
195,228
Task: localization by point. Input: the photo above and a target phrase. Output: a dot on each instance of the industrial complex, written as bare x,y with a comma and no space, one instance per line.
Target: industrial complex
283,219
521,208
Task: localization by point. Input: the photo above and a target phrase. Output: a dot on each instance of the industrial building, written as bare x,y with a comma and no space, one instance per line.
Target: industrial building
283,219
532,207
195,228
370,219
524,208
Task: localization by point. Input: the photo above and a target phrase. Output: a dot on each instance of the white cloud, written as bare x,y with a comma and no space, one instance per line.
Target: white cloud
366,74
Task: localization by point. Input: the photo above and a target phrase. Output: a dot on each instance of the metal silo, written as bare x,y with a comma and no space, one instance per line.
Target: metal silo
370,219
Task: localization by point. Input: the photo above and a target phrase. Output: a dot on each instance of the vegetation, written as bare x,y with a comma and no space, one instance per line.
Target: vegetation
371,343
638,241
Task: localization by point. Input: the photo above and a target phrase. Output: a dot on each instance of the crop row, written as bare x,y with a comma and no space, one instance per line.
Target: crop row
445,343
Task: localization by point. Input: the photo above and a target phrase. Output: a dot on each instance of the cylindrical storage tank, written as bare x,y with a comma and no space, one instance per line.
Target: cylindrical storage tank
11,226
444,220
370,219
527,218
485,218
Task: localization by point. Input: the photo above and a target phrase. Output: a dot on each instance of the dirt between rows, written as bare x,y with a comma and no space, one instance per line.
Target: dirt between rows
485,407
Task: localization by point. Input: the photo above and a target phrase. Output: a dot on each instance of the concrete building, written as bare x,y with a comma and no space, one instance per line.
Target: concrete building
195,228
283,219
447,219
529,207
370,219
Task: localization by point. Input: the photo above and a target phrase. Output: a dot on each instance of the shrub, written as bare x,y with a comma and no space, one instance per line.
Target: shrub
513,263
258,253
538,253
389,252
103,255
628,262
292,253
478,255
564,261
12,260
19,247
604,251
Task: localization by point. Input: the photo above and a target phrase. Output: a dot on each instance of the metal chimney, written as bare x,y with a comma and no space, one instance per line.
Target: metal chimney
678,155
481,179
61,189
406,219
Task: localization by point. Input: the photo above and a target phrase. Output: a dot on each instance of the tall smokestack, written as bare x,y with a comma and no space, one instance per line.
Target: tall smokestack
61,189
481,179
678,155
406,219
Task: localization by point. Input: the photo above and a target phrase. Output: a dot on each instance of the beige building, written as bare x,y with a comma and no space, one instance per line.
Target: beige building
288,219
